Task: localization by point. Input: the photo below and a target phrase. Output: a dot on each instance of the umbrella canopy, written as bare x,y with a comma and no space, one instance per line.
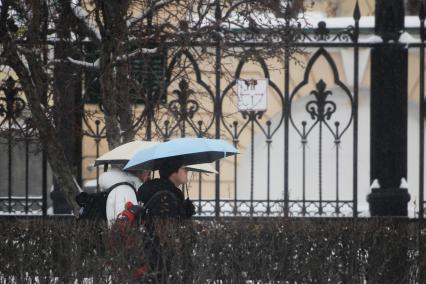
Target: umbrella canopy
190,150
123,153
202,168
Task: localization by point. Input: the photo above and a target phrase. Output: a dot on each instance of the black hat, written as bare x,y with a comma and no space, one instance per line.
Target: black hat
170,166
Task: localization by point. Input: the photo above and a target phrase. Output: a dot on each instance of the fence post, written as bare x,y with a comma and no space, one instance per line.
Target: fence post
389,71
388,160
422,17
356,16
97,141
217,109
286,110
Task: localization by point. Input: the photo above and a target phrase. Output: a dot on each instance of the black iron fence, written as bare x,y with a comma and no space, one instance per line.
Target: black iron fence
299,157
24,170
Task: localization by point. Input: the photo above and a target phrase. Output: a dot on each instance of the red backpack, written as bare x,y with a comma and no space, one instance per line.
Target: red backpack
122,240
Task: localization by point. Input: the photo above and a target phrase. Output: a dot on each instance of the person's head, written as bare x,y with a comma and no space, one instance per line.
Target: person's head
143,175
174,170
180,176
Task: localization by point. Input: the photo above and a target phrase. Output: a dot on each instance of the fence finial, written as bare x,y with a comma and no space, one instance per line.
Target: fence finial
403,184
357,12
422,16
375,184
422,12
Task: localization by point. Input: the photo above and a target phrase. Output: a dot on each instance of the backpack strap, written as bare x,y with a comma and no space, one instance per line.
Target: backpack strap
118,184
154,198
90,203
155,195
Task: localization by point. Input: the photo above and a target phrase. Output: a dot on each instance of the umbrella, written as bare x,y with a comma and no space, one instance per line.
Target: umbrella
202,168
123,153
190,150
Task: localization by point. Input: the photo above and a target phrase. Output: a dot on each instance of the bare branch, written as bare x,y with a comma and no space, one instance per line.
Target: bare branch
27,51
83,16
137,52
234,6
155,6
202,14
94,65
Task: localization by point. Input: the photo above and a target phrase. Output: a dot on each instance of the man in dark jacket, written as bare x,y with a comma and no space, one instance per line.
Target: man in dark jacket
162,197
164,201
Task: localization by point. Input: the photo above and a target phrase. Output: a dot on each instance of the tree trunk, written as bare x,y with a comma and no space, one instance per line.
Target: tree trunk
34,87
125,104
115,74
67,98
109,101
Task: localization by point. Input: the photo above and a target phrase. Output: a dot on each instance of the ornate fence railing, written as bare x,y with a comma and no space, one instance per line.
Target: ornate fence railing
24,171
300,157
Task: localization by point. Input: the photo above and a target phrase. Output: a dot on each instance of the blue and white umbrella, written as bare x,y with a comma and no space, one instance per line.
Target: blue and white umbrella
190,150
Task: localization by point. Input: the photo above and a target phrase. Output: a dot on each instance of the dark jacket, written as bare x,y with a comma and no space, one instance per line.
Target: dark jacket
163,199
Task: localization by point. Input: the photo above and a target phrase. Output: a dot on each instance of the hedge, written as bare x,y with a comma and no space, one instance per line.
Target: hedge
216,251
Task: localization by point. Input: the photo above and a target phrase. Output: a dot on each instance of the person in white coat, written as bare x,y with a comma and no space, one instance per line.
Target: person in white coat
121,194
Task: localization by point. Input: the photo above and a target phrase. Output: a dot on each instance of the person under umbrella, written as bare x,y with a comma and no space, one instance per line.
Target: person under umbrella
121,186
162,196
163,200
128,183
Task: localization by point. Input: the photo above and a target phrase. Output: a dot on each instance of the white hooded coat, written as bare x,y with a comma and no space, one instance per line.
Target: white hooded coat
118,197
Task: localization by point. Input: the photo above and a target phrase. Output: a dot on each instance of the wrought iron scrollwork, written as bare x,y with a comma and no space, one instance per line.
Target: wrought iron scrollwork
322,32
183,107
321,109
251,121
351,32
11,106
252,115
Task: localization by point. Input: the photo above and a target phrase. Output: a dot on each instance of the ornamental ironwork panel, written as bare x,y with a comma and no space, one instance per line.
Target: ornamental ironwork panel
24,171
320,107
247,123
186,112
